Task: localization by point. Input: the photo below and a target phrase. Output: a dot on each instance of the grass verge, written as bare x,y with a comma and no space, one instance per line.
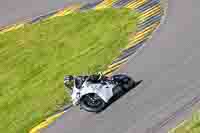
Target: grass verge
190,126
34,60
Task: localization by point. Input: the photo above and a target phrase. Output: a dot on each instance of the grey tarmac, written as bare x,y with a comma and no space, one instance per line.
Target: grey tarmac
12,11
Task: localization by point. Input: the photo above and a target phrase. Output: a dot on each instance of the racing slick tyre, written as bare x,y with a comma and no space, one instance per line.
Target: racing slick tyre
128,83
117,89
124,81
92,103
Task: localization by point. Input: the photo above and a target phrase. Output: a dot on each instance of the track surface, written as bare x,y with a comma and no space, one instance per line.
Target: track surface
169,67
17,10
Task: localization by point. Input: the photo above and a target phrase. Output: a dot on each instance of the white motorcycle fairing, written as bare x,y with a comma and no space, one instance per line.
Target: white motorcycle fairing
102,90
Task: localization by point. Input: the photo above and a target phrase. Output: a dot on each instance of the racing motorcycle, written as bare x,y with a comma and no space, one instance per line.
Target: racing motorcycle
93,92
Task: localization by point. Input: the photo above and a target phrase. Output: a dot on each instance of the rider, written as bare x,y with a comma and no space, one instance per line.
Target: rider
95,78
68,81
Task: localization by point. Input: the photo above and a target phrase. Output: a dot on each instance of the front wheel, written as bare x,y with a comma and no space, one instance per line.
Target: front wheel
92,103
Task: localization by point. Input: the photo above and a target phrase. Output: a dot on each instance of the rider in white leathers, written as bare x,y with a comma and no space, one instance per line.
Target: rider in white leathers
95,78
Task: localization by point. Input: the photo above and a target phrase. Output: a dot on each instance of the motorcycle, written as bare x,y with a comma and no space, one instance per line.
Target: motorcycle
93,92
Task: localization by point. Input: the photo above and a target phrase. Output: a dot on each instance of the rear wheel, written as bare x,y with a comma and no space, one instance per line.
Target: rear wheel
124,81
92,103
117,89
127,83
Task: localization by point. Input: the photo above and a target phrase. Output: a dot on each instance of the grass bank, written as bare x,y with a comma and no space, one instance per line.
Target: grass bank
190,126
34,60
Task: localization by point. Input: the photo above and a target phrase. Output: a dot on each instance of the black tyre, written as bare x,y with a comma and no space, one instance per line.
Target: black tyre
124,81
127,83
117,89
92,103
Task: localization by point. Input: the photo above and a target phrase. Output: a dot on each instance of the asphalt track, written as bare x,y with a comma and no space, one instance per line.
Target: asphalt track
17,10
169,67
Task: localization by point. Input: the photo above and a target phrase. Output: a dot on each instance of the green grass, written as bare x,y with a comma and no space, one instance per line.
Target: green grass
34,60
190,126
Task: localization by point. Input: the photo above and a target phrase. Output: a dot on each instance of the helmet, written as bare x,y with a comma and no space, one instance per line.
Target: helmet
68,80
